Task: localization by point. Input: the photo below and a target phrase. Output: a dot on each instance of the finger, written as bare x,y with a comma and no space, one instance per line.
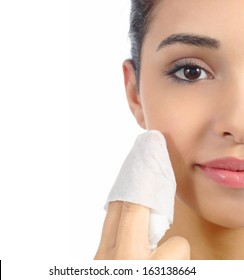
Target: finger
175,248
110,225
133,226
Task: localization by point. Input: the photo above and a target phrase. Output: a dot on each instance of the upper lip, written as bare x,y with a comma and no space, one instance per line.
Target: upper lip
228,163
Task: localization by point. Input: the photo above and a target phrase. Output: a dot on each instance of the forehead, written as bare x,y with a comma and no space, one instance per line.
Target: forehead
219,18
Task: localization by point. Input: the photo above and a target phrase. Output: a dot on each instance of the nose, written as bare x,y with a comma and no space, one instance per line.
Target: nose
229,115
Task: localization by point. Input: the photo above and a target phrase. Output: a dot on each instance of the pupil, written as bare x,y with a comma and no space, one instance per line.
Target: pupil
192,73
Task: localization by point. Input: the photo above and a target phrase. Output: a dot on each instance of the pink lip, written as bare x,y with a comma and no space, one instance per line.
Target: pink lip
226,171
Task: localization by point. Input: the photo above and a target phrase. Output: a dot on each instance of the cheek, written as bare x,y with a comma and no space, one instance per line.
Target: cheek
185,127
183,122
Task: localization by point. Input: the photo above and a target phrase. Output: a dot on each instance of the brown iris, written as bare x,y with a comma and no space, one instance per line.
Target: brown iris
192,72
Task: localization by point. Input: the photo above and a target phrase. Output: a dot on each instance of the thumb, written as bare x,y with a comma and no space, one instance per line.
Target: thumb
175,248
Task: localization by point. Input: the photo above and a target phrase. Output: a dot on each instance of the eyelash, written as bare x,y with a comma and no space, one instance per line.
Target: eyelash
181,65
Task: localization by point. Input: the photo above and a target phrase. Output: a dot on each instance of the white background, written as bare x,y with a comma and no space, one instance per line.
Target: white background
65,126
102,126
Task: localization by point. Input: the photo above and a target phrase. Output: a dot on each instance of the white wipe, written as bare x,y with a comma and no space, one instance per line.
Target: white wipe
147,178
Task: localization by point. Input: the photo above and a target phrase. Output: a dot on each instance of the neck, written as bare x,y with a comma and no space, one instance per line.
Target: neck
208,241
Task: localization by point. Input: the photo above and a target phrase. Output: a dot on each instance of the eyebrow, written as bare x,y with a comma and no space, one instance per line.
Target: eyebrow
190,39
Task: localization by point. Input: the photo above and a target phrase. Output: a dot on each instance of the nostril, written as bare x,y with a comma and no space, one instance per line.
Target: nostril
237,138
227,134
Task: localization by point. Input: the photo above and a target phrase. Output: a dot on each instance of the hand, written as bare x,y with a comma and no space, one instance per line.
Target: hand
125,236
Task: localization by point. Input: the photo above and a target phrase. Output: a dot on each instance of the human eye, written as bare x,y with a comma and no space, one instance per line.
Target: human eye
188,71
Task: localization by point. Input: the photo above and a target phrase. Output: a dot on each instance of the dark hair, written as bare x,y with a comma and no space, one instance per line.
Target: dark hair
140,17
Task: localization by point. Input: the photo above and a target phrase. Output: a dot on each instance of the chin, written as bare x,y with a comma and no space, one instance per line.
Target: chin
224,218
222,212
229,221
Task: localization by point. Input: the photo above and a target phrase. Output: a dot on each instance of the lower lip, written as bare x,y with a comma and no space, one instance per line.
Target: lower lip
227,178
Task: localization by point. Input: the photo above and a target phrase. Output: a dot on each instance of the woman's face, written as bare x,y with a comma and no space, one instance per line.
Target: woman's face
192,90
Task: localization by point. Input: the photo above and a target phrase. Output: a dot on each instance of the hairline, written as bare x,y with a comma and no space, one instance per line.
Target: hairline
151,16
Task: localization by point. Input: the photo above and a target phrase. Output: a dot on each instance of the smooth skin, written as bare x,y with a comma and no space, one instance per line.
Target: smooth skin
201,117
